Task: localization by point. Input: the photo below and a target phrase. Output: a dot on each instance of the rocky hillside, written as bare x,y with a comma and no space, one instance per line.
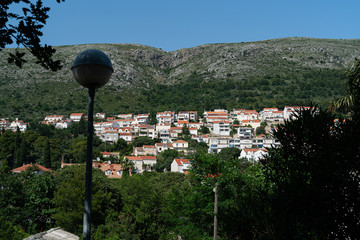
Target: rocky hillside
251,74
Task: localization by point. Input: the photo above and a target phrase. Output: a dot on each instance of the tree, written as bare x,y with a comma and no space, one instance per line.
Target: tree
25,30
12,199
164,160
39,192
47,154
141,141
204,130
353,89
260,130
315,177
22,154
69,198
229,153
242,206
185,131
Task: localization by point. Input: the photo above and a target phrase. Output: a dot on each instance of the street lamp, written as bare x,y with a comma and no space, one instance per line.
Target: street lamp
92,69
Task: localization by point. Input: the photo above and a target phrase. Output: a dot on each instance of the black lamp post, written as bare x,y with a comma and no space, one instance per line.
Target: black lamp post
92,69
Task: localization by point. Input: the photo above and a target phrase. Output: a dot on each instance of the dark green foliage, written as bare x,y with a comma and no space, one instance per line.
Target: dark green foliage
69,198
11,199
141,141
204,130
164,160
47,154
260,130
10,231
39,193
316,178
185,131
229,154
145,213
21,157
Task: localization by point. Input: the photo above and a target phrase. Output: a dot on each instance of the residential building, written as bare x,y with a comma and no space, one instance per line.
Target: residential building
54,118
160,147
271,115
253,154
38,169
125,116
180,165
290,112
253,123
181,146
150,150
142,118
63,124
244,132
4,124
110,136
126,136
167,115
221,128
142,163
76,117
201,138
18,124
218,143
100,116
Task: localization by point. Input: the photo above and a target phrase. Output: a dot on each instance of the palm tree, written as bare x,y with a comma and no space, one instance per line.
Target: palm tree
353,89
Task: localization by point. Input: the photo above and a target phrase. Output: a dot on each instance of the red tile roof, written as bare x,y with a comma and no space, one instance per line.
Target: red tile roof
180,162
24,167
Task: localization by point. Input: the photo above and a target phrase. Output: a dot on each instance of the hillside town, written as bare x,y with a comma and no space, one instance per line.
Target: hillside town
247,130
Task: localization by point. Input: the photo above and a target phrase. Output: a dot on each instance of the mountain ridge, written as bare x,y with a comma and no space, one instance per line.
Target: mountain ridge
140,70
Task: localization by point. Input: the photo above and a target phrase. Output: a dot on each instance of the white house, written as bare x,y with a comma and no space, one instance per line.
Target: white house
54,118
218,143
167,116
125,116
160,147
244,132
100,115
63,124
109,136
272,115
253,154
201,138
221,128
126,136
18,124
142,118
180,165
180,145
253,123
76,116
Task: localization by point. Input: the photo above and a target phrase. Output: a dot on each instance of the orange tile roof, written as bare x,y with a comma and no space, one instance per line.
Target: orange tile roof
254,149
180,162
24,167
180,141
149,146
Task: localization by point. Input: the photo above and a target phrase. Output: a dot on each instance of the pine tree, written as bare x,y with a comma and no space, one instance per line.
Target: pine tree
47,155
21,158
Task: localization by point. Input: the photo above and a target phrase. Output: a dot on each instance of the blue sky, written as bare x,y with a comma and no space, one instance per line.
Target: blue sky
172,25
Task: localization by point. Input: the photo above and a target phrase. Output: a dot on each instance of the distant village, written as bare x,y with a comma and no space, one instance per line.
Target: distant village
219,129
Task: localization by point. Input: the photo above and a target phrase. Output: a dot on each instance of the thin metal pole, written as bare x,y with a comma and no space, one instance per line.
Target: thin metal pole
215,210
88,181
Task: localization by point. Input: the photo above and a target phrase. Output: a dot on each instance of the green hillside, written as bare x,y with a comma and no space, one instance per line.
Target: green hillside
243,75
